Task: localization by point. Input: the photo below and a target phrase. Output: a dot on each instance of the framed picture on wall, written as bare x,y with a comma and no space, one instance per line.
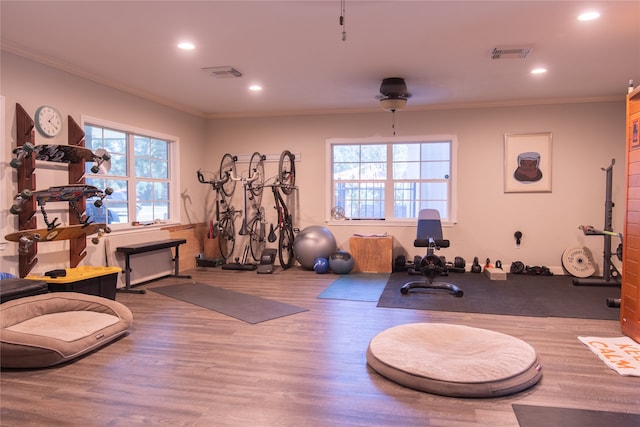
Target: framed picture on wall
527,162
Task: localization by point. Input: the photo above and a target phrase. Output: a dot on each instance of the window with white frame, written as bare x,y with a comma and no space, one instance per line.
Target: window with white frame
140,174
392,178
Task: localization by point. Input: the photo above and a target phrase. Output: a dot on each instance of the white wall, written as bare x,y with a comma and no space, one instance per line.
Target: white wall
585,139
31,84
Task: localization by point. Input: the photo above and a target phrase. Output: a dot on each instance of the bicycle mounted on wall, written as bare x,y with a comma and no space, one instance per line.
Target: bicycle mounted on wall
254,217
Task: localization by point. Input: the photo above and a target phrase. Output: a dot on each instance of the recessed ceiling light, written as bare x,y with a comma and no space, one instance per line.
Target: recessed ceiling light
186,46
539,70
589,16
255,88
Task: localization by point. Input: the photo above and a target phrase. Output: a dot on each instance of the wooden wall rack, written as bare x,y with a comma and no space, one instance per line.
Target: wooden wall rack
27,181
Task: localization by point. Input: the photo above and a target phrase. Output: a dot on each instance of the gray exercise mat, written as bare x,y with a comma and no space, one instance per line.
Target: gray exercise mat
539,416
248,308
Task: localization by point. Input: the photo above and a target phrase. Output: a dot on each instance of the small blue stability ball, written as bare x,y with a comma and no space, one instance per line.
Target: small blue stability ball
341,262
321,265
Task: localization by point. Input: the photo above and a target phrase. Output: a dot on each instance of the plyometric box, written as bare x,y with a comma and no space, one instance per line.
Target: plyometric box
372,254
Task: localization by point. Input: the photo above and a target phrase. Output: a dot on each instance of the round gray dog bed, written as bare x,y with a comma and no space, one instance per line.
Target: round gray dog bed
454,360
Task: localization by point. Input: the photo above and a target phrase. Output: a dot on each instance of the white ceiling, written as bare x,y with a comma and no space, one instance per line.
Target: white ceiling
295,50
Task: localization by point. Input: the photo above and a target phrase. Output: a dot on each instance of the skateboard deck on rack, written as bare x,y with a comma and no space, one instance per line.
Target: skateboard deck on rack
58,233
61,193
62,154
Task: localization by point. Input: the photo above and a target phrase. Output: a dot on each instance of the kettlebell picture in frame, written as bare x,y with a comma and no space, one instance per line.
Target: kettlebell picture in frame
527,162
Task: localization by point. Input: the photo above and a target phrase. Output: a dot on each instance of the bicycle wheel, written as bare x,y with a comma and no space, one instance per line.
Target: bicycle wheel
256,166
257,235
227,236
285,246
287,172
228,167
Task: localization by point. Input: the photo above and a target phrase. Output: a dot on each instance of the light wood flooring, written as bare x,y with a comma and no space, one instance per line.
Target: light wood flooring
182,365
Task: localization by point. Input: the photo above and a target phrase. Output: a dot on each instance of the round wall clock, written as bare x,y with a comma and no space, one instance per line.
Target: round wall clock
48,121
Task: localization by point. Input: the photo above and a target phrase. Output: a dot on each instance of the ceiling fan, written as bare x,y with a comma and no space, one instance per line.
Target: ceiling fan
393,94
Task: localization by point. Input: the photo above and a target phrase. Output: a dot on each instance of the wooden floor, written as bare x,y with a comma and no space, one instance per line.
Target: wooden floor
182,365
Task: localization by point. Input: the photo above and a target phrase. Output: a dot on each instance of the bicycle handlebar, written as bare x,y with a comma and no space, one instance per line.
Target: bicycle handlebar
213,182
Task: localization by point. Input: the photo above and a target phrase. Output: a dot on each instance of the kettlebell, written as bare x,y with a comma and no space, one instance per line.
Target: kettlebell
475,267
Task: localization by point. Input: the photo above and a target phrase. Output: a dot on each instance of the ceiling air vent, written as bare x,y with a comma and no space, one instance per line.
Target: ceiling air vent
510,53
222,72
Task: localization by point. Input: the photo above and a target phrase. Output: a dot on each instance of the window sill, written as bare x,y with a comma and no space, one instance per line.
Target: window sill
379,222
129,228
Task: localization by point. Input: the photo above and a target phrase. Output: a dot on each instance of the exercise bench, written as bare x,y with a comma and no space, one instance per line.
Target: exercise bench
140,248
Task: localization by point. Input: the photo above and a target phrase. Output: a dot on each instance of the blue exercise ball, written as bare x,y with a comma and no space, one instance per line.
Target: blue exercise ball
321,265
313,242
341,262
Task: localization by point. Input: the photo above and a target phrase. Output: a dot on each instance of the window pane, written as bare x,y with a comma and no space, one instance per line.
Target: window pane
436,151
118,164
159,169
143,167
361,200
159,149
406,170
373,171
433,191
153,201
346,153
374,153
435,170
113,142
141,145
114,207
345,171
403,152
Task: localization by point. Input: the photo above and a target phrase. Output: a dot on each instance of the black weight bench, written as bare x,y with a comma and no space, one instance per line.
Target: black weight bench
429,235
140,248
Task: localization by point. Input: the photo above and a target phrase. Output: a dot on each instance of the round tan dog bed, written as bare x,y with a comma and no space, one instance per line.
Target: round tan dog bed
454,360
45,330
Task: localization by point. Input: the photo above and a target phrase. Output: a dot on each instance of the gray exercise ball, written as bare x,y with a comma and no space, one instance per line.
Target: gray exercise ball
313,242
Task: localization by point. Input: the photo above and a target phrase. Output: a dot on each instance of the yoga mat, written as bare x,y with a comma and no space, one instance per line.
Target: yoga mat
247,308
537,416
357,287
519,295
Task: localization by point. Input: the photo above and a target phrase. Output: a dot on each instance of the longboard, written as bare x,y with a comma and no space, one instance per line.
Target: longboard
62,154
28,237
61,193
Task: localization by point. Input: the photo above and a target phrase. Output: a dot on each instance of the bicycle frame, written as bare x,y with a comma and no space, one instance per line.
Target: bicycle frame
285,228
225,226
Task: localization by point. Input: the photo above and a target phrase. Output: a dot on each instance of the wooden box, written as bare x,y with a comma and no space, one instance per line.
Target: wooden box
495,273
372,254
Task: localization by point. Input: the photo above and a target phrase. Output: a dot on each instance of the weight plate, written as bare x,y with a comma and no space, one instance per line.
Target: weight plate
578,262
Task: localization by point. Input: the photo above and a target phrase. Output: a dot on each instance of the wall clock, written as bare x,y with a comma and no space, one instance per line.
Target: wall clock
48,121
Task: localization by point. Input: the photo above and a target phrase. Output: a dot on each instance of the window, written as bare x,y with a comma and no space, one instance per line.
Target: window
140,174
392,178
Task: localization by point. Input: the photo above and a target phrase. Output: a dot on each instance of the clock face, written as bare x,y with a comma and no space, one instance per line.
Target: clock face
48,121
